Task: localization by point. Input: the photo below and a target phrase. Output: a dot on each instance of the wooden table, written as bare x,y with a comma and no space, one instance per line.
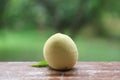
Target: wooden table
81,71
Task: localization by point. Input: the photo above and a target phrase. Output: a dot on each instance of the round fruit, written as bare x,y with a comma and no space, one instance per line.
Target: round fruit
60,52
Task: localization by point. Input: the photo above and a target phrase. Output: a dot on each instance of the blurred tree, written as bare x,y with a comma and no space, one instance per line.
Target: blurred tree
2,9
62,15
83,12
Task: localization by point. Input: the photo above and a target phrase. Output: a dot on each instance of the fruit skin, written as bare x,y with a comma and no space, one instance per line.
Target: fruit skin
60,52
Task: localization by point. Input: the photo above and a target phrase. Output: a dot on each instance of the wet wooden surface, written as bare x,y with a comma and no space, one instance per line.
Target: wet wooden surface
81,71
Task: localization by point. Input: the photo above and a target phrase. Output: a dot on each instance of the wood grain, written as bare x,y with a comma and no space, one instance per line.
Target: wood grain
81,71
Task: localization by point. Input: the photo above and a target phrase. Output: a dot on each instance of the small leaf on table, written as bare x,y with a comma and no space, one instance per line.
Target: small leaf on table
40,64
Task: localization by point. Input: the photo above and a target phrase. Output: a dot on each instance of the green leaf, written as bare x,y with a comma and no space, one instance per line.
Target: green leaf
40,64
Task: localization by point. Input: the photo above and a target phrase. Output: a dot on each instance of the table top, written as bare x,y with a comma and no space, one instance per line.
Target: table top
81,71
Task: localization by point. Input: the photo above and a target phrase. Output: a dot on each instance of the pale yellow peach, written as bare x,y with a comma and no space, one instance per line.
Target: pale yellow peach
60,52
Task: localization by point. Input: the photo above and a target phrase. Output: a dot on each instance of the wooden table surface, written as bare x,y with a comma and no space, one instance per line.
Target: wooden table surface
81,71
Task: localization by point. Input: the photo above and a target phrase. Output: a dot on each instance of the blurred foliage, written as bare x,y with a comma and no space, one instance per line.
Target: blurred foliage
26,24
60,15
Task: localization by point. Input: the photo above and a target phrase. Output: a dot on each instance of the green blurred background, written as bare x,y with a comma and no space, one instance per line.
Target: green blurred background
25,25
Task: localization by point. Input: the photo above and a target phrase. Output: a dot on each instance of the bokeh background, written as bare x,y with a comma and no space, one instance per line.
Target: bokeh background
25,25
